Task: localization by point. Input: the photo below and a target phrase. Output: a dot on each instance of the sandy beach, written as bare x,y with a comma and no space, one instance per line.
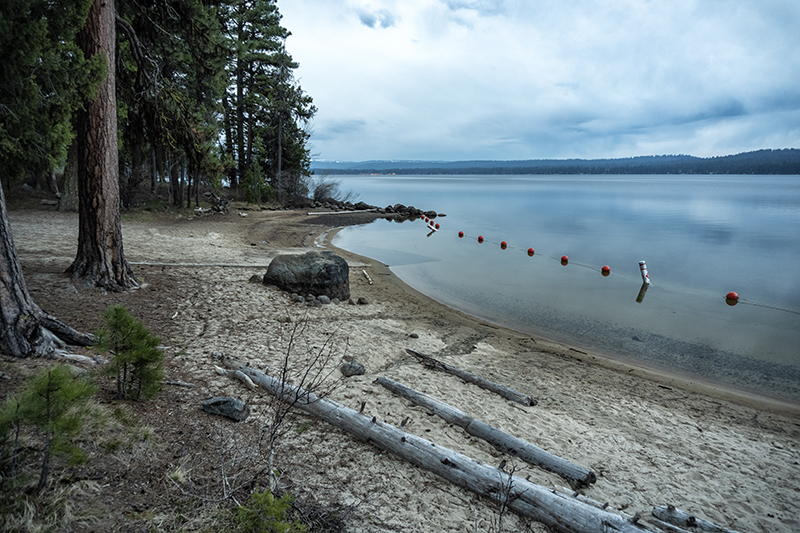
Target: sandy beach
652,439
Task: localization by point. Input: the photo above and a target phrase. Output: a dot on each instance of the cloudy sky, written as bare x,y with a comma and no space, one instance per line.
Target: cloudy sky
531,79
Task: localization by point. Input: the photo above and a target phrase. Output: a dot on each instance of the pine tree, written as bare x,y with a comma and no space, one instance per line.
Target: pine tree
51,402
137,360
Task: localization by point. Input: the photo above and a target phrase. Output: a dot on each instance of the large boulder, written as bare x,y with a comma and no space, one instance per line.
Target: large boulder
318,273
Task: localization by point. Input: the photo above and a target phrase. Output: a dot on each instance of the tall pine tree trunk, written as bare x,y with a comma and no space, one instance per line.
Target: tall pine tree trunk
25,330
69,185
100,260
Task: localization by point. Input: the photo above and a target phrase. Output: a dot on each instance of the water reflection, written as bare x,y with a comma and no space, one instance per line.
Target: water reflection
701,237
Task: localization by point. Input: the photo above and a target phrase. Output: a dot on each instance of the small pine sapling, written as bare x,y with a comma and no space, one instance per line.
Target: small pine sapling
137,361
52,401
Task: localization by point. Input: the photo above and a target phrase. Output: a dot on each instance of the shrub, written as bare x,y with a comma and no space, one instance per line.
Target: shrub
264,512
137,360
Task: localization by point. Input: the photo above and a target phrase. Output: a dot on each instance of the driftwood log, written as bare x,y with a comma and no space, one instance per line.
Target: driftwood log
557,510
682,519
505,392
577,476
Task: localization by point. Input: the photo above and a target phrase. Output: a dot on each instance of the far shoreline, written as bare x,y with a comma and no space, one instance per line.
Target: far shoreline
660,376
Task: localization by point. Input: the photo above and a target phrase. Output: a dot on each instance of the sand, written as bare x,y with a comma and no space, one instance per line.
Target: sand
653,439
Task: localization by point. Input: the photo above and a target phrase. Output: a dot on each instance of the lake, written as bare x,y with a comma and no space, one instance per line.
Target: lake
701,236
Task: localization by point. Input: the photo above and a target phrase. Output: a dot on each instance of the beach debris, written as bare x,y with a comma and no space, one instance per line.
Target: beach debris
577,476
676,517
505,392
369,279
542,504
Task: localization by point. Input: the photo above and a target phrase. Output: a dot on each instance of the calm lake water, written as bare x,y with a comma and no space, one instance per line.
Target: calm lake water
701,236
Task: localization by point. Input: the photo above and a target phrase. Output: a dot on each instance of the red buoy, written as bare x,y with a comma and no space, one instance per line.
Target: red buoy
564,259
731,298
530,252
503,245
606,270
437,225
460,234
480,238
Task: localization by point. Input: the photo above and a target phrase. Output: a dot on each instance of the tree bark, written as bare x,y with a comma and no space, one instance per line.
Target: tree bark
100,260
26,329
69,184
557,510
503,391
577,476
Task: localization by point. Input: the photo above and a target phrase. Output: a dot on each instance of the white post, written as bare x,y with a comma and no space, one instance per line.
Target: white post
643,268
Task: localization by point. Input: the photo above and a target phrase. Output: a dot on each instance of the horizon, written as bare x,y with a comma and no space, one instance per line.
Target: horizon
362,161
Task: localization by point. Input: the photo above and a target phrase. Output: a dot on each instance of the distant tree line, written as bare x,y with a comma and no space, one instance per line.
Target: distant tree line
785,161
205,93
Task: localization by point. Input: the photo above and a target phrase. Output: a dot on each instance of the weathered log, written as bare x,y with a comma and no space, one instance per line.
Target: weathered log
503,391
668,528
557,510
577,476
671,515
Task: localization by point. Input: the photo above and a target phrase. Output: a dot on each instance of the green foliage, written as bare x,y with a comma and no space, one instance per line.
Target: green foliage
266,513
43,79
137,361
53,402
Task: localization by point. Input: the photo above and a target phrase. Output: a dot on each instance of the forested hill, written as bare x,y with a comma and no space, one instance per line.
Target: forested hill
785,161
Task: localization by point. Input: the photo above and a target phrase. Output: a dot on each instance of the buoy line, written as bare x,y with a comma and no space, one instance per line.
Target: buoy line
732,298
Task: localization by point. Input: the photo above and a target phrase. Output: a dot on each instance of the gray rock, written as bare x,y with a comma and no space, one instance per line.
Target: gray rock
352,368
324,300
414,336
255,278
297,298
362,301
313,272
227,407
335,301
310,297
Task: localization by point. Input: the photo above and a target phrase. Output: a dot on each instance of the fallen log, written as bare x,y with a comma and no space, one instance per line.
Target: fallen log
557,510
503,391
577,476
671,515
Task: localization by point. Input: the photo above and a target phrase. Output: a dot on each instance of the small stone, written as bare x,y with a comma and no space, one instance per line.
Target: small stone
255,278
414,336
314,303
352,368
335,301
324,300
227,407
310,297
363,301
351,301
297,298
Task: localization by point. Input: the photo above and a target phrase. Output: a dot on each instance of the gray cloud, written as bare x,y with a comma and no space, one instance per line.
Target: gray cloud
484,7
381,18
513,79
